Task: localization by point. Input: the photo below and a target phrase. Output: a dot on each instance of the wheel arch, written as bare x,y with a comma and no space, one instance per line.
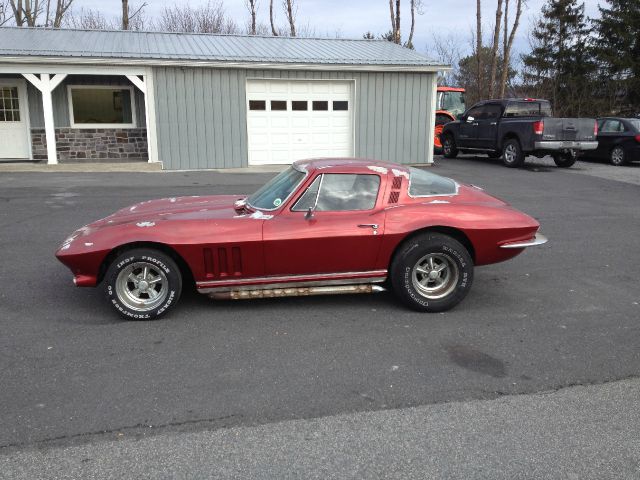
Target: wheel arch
509,136
455,233
185,270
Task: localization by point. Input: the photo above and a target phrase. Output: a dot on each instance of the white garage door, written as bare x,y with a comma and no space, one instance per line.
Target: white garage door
292,120
14,141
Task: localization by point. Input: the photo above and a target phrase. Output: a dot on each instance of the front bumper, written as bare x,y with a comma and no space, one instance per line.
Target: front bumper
565,145
539,239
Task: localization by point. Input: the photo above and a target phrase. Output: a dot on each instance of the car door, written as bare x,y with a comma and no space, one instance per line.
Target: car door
488,126
469,128
608,135
336,225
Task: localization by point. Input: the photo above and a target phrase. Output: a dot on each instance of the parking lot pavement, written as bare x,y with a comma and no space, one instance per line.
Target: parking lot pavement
561,314
576,433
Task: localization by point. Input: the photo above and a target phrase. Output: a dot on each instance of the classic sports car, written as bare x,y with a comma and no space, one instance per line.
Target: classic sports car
323,226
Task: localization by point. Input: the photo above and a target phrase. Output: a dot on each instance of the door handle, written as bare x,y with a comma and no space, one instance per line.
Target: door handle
493,123
369,225
475,124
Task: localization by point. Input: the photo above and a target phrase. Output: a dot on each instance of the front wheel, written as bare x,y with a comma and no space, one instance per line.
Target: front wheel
564,160
617,157
143,284
512,154
449,148
431,272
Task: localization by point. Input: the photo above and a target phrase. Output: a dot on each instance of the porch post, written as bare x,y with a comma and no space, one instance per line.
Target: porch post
146,87
46,85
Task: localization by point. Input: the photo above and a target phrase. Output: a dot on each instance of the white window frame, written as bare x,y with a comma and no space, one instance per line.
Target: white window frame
72,122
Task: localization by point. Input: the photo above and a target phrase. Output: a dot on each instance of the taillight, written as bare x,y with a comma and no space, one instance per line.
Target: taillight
595,129
637,138
538,127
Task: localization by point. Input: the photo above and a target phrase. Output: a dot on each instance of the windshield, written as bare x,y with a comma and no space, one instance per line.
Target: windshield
453,102
276,191
635,122
426,184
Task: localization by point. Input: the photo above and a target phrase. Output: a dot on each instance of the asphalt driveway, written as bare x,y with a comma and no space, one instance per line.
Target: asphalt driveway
562,314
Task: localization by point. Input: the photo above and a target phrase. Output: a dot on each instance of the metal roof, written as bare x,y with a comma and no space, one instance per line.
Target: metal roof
160,47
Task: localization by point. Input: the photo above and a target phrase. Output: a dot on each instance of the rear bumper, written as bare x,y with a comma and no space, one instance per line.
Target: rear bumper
565,145
539,239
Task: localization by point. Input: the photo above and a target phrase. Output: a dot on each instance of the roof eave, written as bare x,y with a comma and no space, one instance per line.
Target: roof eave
140,62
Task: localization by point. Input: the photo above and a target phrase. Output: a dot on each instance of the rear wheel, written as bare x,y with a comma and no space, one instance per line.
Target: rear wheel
431,272
143,284
512,154
617,157
564,160
449,148
441,121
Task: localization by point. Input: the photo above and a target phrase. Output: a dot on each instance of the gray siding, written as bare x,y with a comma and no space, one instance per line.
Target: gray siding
201,114
61,105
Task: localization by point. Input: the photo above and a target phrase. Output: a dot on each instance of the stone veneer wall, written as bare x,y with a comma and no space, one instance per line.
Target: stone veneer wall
93,144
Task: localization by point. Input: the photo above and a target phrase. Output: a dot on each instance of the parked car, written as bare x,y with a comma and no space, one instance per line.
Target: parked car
515,128
322,226
618,140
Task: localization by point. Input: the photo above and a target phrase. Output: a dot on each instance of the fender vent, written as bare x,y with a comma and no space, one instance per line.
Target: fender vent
397,183
393,198
222,262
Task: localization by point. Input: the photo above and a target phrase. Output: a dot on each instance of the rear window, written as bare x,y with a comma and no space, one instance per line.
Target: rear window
425,184
528,109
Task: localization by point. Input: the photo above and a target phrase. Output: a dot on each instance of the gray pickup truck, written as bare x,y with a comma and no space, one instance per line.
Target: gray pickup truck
515,128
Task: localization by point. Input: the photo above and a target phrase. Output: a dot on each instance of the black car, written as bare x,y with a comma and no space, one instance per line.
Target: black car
618,140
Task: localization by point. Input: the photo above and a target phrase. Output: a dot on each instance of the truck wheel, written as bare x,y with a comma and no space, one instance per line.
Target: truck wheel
564,160
617,157
431,272
449,148
512,154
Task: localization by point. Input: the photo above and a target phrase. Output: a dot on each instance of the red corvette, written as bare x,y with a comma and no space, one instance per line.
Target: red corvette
323,226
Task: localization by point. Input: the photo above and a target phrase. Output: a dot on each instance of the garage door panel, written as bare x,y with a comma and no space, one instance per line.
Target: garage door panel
283,136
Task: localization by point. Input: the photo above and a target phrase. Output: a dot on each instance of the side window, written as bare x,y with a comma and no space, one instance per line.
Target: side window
336,192
475,113
492,112
308,198
612,126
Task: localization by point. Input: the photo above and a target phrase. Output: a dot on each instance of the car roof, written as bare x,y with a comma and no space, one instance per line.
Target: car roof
350,165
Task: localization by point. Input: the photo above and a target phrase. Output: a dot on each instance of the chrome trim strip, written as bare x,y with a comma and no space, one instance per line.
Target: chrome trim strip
282,282
561,144
539,239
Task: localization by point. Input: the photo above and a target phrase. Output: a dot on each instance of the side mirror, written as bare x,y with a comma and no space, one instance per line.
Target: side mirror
309,214
469,119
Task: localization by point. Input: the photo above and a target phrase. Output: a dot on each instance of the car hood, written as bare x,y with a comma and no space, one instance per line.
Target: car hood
174,208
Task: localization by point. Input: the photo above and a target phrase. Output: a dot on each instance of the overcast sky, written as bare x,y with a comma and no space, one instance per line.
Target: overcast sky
351,18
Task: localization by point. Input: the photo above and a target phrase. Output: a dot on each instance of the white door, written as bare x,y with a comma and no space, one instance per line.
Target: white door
14,134
289,120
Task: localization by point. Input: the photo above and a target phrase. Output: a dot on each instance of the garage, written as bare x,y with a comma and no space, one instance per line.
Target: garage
289,120
195,101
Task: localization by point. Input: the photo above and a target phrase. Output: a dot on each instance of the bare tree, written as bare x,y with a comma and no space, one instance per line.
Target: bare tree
252,6
274,30
479,46
416,7
132,21
494,49
88,19
290,9
449,50
5,16
508,41
28,12
209,18
394,11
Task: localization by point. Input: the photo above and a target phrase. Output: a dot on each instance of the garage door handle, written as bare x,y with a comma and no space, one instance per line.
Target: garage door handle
369,225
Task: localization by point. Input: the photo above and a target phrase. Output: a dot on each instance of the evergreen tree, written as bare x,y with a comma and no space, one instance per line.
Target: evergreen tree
617,50
560,66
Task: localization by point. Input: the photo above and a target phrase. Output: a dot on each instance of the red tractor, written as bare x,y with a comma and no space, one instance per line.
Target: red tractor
449,105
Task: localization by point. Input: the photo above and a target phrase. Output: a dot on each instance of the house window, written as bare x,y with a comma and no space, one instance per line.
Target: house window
299,105
98,106
320,105
340,105
9,105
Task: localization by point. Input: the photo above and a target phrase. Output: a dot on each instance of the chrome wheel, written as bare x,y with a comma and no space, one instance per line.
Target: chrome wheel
446,146
141,286
435,276
510,153
617,156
